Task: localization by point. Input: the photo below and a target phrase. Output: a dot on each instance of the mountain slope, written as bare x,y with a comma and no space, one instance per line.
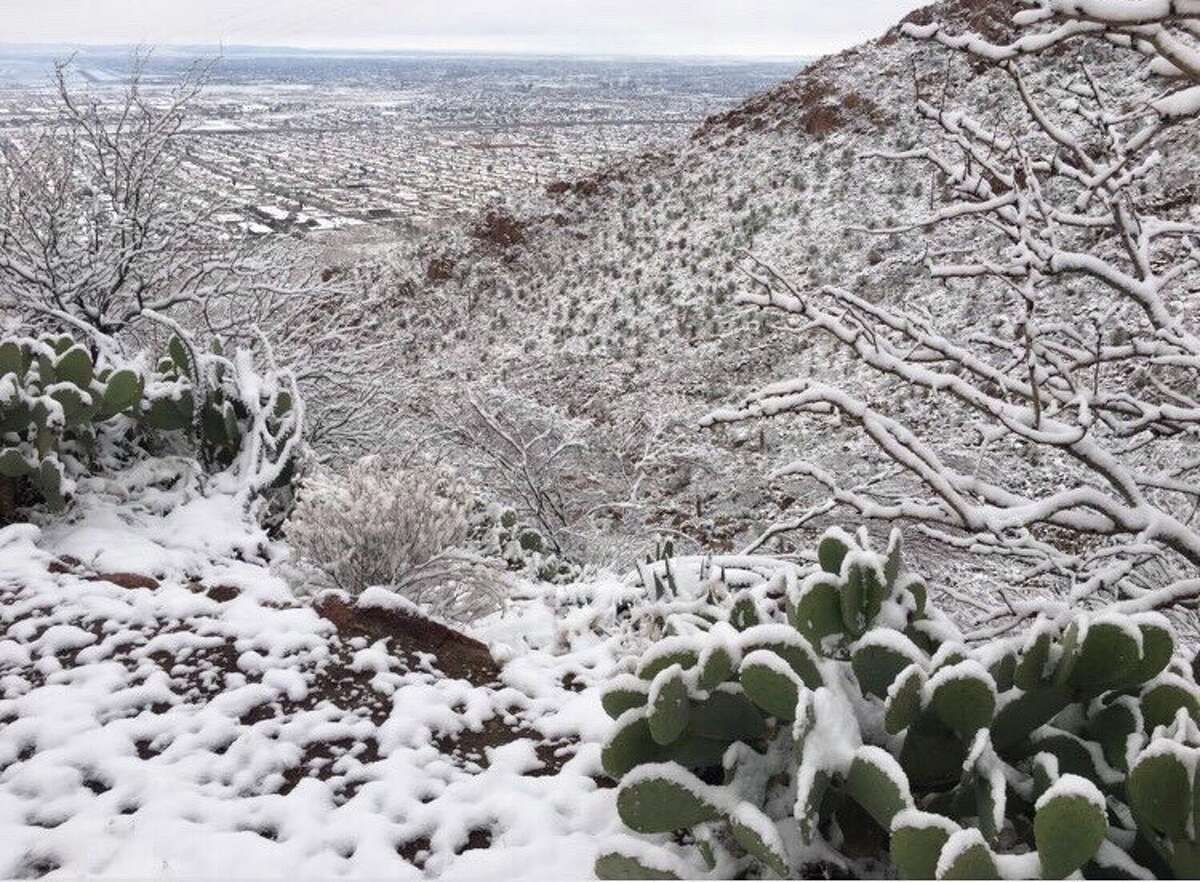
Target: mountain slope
610,297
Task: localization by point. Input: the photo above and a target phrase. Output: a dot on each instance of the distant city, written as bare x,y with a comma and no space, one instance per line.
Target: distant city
287,141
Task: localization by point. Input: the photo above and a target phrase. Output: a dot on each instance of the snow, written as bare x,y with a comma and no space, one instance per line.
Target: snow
82,685
1073,786
1180,105
1110,856
918,820
960,841
889,766
133,750
887,638
964,670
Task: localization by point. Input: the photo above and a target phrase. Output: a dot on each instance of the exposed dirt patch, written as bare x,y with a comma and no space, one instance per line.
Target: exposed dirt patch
458,656
480,837
440,269
991,19
500,229
415,850
321,761
222,593
37,867
553,756
809,102
125,580
572,683
65,564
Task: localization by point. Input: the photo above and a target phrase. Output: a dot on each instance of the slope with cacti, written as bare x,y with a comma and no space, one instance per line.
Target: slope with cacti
615,299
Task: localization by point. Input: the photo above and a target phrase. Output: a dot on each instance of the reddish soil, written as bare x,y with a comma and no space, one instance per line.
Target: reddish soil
458,656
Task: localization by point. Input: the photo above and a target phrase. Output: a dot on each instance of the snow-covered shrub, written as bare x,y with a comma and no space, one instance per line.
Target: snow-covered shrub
382,524
64,412
809,720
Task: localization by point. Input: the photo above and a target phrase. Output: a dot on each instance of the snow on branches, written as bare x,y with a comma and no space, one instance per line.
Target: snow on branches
1093,357
1167,32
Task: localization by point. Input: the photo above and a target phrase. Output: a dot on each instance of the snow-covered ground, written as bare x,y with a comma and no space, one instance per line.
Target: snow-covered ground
172,708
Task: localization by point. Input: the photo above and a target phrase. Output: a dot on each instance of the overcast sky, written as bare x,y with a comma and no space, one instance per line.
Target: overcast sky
688,27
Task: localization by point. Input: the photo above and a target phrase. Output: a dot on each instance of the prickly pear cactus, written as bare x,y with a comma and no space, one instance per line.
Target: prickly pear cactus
843,712
57,405
53,402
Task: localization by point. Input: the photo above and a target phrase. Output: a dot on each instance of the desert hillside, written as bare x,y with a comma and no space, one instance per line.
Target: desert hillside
812,497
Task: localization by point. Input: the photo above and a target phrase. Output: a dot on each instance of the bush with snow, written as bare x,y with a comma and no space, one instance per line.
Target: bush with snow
807,720
381,524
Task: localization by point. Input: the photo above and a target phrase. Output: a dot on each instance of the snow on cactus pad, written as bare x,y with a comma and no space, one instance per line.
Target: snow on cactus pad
917,841
966,856
1070,823
878,784
662,797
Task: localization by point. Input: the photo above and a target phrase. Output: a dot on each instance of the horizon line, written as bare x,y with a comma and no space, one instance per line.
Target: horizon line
408,50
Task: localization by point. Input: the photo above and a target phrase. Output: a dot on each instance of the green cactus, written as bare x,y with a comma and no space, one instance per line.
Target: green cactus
1069,826
861,596
653,802
614,865
879,657
963,697
966,856
771,684
904,699
13,359
817,612
858,701
668,716
624,693
630,745
61,406
685,656
756,833
168,413
716,666
917,841
832,551
727,715
1160,794
122,391
878,784
1161,702
180,358
745,613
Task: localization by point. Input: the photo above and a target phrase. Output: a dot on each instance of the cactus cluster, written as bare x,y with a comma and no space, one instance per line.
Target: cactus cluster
499,532
53,402
847,713
57,402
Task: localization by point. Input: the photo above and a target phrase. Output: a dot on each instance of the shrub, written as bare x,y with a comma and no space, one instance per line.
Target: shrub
842,711
381,524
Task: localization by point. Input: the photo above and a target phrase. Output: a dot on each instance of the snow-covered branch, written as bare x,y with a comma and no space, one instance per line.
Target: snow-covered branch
1062,429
